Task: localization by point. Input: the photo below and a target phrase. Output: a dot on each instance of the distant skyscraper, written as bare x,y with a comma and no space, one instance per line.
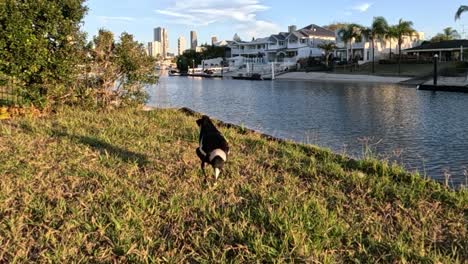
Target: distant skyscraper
236,38
181,45
193,40
214,39
292,28
161,35
155,49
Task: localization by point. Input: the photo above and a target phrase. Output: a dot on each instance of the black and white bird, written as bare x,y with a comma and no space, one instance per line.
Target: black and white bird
213,148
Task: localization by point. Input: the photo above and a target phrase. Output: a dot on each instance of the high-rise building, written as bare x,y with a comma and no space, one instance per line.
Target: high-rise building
155,49
292,28
214,39
193,40
181,45
161,35
149,48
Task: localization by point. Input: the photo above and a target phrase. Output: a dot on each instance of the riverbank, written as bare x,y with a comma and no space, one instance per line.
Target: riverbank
331,77
125,186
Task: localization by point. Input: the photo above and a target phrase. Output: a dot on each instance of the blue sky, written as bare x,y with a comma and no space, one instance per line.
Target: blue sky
260,18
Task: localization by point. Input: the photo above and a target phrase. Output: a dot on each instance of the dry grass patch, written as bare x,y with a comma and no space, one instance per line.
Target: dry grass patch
125,186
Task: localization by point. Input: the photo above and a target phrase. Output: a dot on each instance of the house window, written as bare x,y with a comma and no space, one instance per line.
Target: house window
368,55
281,43
303,41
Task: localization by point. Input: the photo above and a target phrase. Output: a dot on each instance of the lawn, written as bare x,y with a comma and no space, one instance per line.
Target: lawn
125,186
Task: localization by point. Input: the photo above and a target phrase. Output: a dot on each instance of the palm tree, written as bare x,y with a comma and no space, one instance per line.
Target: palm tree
402,29
450,33
377,30
460,10
345,36
348,34
328,47
447,34
390,35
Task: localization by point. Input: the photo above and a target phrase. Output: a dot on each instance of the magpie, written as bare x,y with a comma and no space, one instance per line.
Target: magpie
213,147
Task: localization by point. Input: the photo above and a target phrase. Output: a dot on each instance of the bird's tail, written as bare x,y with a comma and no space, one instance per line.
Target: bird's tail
218,164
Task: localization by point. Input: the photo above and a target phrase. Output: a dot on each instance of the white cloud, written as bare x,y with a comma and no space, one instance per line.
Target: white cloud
260,28
243,13
115,18
362,7
107,19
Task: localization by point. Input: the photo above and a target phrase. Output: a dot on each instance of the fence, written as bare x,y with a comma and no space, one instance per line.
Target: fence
9,96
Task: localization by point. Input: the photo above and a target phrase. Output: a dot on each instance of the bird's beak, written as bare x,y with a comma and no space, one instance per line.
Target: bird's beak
217,171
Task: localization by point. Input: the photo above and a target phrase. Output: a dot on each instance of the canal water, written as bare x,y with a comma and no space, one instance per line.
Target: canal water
422,130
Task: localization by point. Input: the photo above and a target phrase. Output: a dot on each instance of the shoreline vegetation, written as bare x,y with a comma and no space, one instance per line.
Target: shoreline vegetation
125,186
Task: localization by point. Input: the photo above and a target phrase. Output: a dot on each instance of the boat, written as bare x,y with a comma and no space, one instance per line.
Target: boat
204,75
253,77
174,73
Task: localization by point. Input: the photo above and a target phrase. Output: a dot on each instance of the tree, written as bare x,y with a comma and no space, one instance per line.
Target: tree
447,34
41,47
182,64
336,26
345,36
328,47
377,30
402,29
211,52
460,11
120,70
390,35
136,69
348,34
103,66
450,33
192,57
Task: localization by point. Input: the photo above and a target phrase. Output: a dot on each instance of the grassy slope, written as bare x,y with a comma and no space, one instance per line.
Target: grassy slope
126,186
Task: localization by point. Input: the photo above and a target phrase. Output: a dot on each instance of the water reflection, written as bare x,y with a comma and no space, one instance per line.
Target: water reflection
425,131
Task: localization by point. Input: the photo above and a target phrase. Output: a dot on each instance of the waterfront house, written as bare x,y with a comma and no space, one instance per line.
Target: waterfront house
287,47
362,49
448,50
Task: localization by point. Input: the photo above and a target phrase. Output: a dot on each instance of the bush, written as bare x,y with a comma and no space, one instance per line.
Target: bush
43,57
40,48
119,71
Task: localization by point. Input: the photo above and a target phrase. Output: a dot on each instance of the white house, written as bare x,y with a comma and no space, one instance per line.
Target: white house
362,50
283,47
221,43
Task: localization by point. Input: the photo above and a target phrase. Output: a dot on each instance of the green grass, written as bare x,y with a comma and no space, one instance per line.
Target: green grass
125,186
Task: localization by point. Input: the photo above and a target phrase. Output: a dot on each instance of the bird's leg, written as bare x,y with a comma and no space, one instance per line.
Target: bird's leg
203,168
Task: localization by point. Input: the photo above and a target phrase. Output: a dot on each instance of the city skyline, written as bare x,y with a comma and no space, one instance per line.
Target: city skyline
160,35
258,18
193,40
181,45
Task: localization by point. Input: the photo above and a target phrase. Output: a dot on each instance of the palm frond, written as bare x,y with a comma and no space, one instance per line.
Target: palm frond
460,11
